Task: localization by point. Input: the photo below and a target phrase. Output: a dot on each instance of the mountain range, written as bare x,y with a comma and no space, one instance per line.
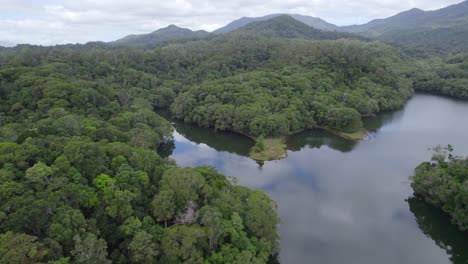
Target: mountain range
443,30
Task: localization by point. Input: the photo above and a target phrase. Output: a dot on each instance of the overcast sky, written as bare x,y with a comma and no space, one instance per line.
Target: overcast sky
48,22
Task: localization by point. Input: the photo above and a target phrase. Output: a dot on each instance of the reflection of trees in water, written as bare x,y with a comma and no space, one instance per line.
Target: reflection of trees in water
436,225
374,123
221,140
166,148
274,259
317,139
241,145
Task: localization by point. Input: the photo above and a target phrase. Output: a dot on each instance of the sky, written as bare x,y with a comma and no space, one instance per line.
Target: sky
50,22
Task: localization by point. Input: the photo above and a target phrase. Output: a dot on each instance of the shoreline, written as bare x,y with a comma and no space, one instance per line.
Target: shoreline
276,148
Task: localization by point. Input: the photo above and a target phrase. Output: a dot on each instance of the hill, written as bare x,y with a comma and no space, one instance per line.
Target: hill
285,26
443,30
160,36
308,20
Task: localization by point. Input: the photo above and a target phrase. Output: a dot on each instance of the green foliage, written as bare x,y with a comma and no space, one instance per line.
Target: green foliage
443,182
448,77
20,248
80,177
90,249
158,37
291,92
260,145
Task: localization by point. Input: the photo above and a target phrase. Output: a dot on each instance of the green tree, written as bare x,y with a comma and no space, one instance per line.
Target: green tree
20,248
182,244
142,249
164,206
89,249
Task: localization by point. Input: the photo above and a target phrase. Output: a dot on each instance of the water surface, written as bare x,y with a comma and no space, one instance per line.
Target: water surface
345,202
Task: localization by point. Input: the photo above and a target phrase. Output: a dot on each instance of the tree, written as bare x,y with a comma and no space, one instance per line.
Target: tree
164,205
89,249
67,224
211,219
186,183
142,249
20,248
260,145
182,244
261,217
40,173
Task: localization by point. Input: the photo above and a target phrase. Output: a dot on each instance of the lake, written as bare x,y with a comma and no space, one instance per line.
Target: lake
345,202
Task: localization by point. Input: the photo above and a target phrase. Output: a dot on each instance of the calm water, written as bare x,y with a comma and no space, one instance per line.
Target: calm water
344,202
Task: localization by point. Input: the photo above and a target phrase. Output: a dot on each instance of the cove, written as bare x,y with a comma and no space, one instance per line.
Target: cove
348,202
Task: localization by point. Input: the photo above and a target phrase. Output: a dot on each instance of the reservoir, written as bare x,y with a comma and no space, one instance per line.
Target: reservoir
347,202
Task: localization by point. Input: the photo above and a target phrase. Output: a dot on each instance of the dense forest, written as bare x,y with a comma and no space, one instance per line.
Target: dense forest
81,180
326,83
446,76
443,182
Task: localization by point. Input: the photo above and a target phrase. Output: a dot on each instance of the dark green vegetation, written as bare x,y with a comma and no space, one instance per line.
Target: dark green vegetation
314,22
81,180
160,36
443,76
285,26
365,184
294,84
443,182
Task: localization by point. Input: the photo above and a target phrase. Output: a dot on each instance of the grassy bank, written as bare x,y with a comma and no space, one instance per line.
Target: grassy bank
273,149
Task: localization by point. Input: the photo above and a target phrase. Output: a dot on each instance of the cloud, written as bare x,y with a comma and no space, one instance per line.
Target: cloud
49,22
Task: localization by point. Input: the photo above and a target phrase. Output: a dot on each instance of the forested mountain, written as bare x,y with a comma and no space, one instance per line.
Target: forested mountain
285,26
315,22
443,30
160,36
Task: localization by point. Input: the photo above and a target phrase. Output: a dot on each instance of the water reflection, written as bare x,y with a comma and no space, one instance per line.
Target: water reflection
241,145
345,202
436,225
374,123
317,139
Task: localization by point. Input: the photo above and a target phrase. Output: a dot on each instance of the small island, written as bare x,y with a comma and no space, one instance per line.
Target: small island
268,149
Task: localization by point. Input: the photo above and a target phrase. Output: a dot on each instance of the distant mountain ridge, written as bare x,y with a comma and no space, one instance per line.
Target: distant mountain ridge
416,18
285,26
443,30
169,33
315,22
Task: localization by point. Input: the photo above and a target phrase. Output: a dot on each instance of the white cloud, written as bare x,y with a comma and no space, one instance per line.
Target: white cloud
49,22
